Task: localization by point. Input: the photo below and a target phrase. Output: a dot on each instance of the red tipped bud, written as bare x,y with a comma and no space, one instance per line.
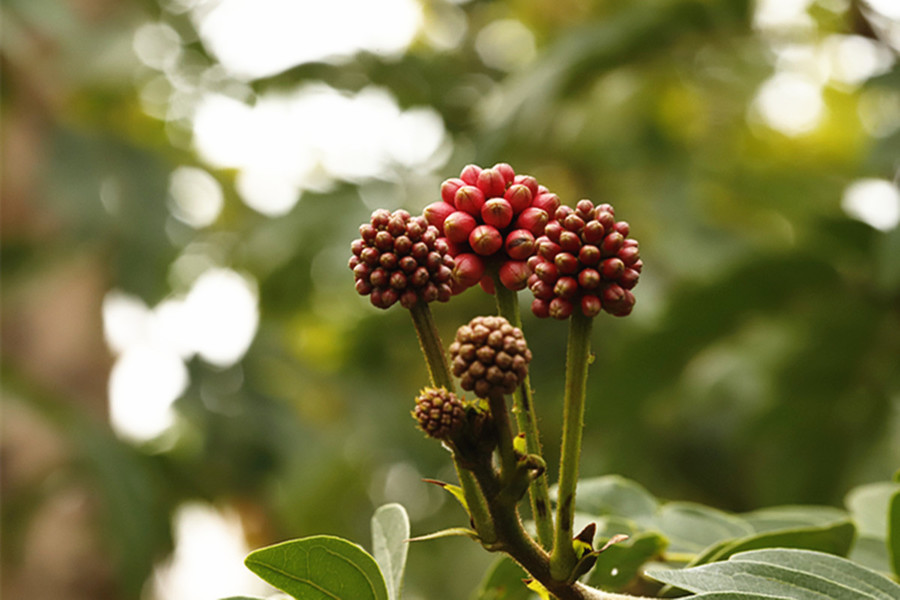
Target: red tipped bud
470,174
546,271
566,263
593,232
546,201
589,255
585,209
540,308
384,241
469,199
458,225
606,219
529,182
569,241
591,305
629,255
514,274
497,212
520,244
623,228
629,279
519,197
468,269
449,188
533,219
436,212
560,308
547,249
487,284
612,268
491,182
574,223
589,279
485,240
542,289
506,171
612,243
566,287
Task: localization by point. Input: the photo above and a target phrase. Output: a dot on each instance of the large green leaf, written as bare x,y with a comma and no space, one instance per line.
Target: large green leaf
693,527
784,573
615,495
619,564
874,509
390,535
320,568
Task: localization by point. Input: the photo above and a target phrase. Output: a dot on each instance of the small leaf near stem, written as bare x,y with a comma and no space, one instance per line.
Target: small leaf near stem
563,558
526,420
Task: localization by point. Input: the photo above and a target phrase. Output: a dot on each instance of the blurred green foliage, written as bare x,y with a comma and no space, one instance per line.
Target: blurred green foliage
760,366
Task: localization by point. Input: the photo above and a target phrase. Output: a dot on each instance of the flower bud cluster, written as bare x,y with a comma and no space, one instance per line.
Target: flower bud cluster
401,258
491,214
585,261
490,356
440,413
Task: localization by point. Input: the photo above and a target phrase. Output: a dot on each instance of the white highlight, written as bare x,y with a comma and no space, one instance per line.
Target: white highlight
790,103
197,196
256,38
505,44
873,201
208,560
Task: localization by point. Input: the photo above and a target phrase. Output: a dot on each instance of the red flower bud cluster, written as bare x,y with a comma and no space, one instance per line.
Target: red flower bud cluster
491,214
584,261
401,258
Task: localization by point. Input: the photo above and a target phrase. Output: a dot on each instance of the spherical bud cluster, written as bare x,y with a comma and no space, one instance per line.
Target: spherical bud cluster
489,356
585,261
401,258
491,214
440,413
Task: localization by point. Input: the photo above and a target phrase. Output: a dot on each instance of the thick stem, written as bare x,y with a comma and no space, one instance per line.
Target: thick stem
578,349
439,372
526,420
504,437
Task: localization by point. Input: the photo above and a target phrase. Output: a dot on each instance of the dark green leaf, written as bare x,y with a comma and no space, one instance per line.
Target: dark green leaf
390,542
504,581
893,534
620,563
615,495
692,527
319,568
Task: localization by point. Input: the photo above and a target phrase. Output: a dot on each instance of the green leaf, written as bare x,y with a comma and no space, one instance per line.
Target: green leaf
785,573
693,527
620,563
449,532
504,581
320,568
778,518
736,596
243,598
869,506
893,533
390,537
615,495
834,538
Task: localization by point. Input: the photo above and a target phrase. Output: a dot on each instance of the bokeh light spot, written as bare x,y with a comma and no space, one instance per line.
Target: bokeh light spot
873,201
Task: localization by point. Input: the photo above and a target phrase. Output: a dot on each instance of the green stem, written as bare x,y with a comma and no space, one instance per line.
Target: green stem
578,349
526,420
504,437
439,372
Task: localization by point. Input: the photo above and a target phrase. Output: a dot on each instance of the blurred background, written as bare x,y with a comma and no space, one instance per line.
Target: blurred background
188,372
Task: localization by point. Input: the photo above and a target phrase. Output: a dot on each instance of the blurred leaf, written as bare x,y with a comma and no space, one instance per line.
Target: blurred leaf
692,527
615,495
390,543
777,518
870,506
319,568
621,563
504,581
798,574
893,533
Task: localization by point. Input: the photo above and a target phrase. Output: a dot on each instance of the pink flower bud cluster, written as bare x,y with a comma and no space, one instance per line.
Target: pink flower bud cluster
401,258
491,214
585,261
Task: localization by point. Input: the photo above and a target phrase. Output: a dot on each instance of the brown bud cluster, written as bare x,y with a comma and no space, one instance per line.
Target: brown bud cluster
440,413
489,356
491,214
585,261
401,258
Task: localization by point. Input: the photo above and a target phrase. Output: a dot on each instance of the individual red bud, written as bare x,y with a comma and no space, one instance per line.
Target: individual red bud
589,255
506,171
591,305
560,308
566,287
612,268
487,284
566,263
574,223
547,249
409,298
529,182
514,274
458,225
570,242
629,255
519,197
546,271
497,212
629,278
491,182
606,218
470,174
553,230
623,228
546,201
533,219
612,243
589,279
585,209
449,188
384,241
485,240
468,269
469,199
436,212
542,289
593,232
540,308
520,244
